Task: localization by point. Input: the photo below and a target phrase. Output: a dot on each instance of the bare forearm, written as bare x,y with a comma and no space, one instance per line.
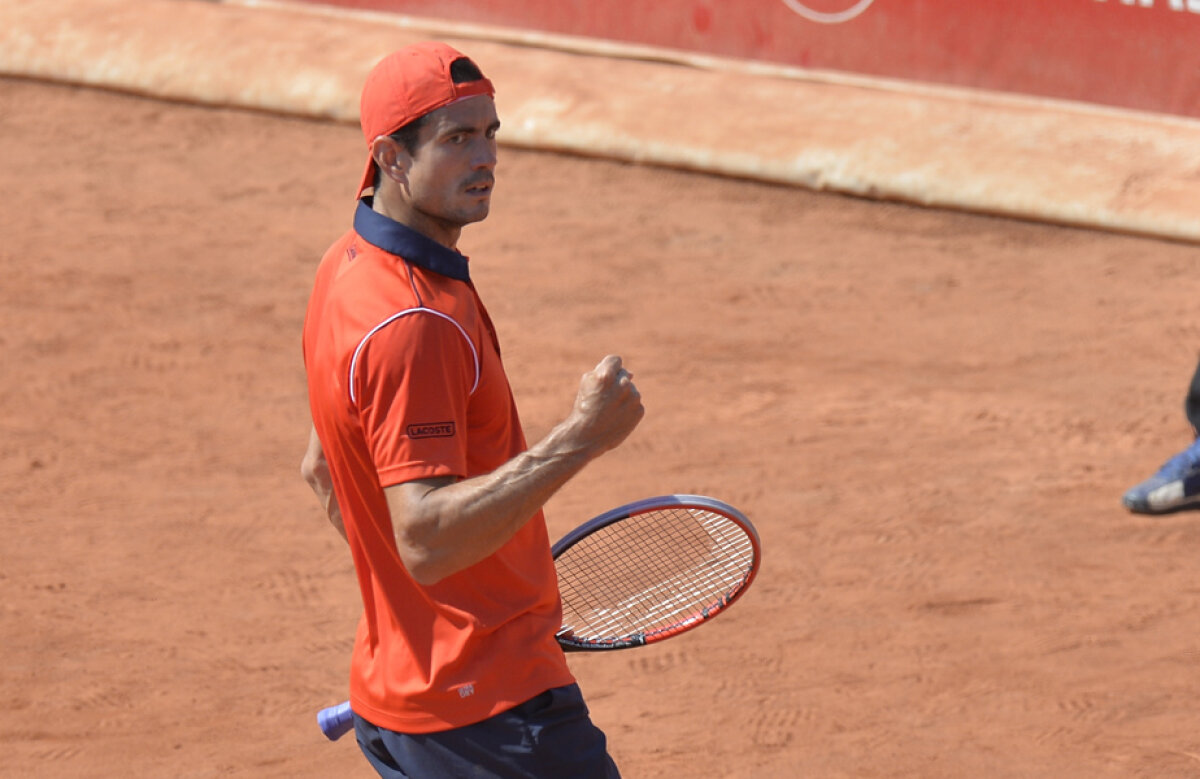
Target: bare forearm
334,512
315,470
451,526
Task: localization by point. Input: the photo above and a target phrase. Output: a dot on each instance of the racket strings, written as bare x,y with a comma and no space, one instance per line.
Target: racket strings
652,572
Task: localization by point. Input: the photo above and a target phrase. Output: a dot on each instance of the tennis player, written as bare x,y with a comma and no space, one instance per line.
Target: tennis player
418,454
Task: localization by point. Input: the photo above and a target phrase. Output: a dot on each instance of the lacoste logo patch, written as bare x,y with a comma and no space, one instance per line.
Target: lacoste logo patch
431,430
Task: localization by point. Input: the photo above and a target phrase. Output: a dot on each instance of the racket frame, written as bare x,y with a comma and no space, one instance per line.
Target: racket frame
570,643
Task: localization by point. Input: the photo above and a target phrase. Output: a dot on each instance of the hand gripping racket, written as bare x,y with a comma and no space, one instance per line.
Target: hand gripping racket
639,574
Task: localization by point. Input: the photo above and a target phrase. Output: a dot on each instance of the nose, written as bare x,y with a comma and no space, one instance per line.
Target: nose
485,154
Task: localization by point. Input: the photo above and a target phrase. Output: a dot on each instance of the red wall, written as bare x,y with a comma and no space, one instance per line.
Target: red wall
1142,54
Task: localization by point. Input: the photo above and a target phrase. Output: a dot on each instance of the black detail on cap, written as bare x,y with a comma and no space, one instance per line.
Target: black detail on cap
463,71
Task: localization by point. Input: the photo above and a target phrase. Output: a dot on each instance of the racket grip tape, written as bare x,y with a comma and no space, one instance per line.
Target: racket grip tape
336,721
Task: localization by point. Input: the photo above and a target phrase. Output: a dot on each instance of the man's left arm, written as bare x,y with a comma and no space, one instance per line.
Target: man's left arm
315,470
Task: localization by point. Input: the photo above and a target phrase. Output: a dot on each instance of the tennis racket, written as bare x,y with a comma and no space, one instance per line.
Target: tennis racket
639,574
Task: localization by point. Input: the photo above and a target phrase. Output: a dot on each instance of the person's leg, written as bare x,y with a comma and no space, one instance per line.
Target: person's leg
371,741
563,740
1176,485
549,736
1191,404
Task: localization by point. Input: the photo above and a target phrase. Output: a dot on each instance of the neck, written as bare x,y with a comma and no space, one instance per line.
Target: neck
399,210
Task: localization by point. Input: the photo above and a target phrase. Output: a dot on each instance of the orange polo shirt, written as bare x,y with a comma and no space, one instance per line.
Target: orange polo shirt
405,382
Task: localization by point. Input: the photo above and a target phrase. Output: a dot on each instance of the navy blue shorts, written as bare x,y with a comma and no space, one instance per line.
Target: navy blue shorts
548,736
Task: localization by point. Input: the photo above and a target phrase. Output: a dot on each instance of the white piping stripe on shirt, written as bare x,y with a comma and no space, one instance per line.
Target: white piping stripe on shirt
393,318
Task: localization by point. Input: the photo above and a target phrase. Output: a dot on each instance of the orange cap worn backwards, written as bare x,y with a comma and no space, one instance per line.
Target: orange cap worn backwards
406,85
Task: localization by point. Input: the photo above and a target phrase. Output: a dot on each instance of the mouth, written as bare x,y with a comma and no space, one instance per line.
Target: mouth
482,187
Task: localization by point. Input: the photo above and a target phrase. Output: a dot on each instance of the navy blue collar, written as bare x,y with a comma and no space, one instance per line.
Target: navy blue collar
403,241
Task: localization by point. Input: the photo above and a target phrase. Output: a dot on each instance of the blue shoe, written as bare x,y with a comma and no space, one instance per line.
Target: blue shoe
1176,485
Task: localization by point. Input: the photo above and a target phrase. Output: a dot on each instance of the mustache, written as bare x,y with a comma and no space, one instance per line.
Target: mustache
481,179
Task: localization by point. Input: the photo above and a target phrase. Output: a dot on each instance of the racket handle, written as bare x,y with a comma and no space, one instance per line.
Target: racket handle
336,721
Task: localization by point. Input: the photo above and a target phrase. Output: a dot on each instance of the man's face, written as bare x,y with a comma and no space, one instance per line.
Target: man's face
452,173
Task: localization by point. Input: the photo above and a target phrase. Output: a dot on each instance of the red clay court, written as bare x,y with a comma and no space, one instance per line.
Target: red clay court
929,415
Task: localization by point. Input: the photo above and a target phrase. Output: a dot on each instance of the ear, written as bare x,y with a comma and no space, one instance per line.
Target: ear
392,159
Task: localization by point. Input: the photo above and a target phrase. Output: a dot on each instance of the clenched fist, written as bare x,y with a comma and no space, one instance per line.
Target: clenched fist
607,408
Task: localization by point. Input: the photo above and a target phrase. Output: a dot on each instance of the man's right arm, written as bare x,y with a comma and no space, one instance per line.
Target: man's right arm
443,526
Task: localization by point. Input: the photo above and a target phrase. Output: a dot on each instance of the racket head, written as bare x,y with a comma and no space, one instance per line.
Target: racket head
651,570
